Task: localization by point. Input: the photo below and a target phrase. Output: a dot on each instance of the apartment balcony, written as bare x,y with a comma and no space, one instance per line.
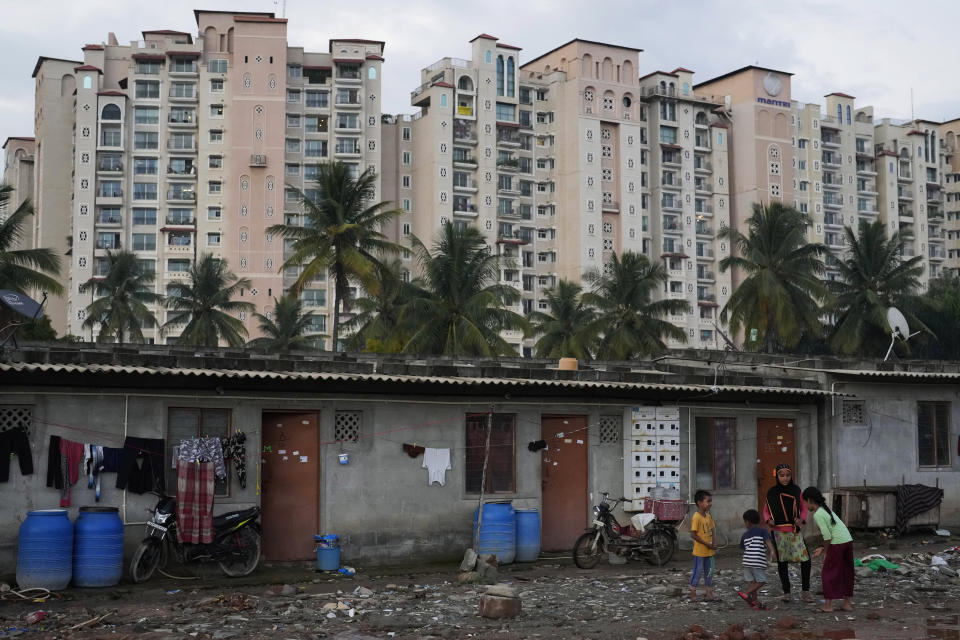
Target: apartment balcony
706,274
701,142
180,222
702,187
508,139
610,205
348,103
866,169
832,202
109,165
703,209
704,230
465,161
182,122
182,96
934,195
671,205
109,196
108,219
672,225
704,253
867,188
258,160
182,172
464,134
508,190
831,159
469,185
178,195
181,147
936,235
702,165
347,151
904,194
672,184
671,158
868,211
907,251
465,208
829,140
676,295
936,253
832,220
905,215
508,164
348,77
904,173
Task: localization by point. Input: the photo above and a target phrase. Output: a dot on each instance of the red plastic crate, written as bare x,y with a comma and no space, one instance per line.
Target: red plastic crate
665,510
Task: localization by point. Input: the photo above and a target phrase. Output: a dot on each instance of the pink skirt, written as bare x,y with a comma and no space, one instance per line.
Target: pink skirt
837,574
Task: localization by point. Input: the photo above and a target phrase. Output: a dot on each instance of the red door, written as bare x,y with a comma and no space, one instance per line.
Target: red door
775,444
564,509
290,480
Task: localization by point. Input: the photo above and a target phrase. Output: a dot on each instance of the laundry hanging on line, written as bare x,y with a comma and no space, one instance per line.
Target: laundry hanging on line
203,450
413,450
235,449
436,462
15,442
141,464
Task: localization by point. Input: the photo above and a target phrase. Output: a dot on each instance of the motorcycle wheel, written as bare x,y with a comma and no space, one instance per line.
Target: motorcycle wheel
585,554
145,561
246,554
661,548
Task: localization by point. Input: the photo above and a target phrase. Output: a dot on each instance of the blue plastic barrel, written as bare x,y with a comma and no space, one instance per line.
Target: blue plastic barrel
45,550
498,532
328,552
528,535
98,547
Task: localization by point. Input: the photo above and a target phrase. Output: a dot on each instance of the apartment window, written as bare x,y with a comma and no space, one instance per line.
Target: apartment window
292,169
501,463
405,133
145,166
217,65
109,215
144,216
348,96
214,213
406,228
315,148
181,141
933,434
216,111
314,297
213,239
406,204
668,135
293,96
148,67
147,90
405,157
179,238
315,124
146,115
185,424
183,90
318,99
506,112
145,140
146,267
802,143
405,182
216,135
144,190
215,162
293,145
311,172
348,121
293,121
216,85
294,71
348,145
184,65
716,453
178,265
144,241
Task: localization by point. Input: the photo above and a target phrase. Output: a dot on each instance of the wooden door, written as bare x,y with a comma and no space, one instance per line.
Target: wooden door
775,444
565,510
290,481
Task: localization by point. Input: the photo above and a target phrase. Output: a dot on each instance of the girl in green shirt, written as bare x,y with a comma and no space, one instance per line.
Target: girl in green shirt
837,573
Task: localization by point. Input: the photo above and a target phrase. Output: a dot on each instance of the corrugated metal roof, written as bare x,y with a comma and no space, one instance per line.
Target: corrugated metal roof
409,379
867,373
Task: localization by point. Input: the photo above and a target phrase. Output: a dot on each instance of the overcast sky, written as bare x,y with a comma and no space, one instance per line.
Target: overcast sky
876,50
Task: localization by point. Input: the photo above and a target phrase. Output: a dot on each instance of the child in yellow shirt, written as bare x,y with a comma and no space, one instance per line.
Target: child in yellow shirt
701,530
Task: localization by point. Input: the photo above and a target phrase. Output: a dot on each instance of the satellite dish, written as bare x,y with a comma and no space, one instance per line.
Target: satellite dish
899,329
25,308
730,344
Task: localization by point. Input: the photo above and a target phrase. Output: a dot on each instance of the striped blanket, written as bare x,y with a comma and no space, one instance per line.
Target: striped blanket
195,501
914,499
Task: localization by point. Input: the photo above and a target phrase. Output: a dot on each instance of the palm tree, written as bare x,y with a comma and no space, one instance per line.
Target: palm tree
940,312
286,327
376,325
205,302
124,294
341,233
24,270
465,309
567,331
781,291
628,318
873,277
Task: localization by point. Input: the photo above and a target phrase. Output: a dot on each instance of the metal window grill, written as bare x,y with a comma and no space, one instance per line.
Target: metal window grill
854,412
610,429
16,418
347,425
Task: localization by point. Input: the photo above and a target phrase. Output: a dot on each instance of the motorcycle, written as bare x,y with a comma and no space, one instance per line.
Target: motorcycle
656,540
235,546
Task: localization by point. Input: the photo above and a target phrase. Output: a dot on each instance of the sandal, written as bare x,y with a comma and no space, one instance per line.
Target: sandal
806,596
745,597
822,610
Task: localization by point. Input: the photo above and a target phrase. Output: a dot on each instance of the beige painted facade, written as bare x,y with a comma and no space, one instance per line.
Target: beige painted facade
18,158
181,145
950,139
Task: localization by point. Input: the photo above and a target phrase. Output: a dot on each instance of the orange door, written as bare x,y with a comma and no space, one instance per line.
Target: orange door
775,444
290,480
563,478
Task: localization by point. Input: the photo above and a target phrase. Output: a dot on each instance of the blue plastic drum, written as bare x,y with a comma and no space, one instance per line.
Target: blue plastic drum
45,550
498,531
98,547
528,535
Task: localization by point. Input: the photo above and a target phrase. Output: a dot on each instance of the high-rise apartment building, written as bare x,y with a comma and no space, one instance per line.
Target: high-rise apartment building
561,162
18,157
949,138
181,145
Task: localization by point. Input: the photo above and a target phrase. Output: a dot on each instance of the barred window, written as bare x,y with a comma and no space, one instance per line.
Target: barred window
610,429
854,412
347,426
16,417
933,434
501,474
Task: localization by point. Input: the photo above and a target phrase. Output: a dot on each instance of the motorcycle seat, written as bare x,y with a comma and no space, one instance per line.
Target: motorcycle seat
225,520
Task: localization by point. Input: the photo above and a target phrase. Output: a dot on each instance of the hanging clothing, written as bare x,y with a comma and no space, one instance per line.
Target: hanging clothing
15,441
96,468
203,450
195,482
436,462
111,459
54,477
71,453
235,449
141,464
413,450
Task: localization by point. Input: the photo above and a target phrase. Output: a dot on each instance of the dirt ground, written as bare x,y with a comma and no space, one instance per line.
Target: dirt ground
631,601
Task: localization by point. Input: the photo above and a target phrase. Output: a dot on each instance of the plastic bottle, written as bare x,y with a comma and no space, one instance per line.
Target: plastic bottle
35,616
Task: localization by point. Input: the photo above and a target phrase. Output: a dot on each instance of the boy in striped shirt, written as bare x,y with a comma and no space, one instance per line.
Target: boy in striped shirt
757,546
